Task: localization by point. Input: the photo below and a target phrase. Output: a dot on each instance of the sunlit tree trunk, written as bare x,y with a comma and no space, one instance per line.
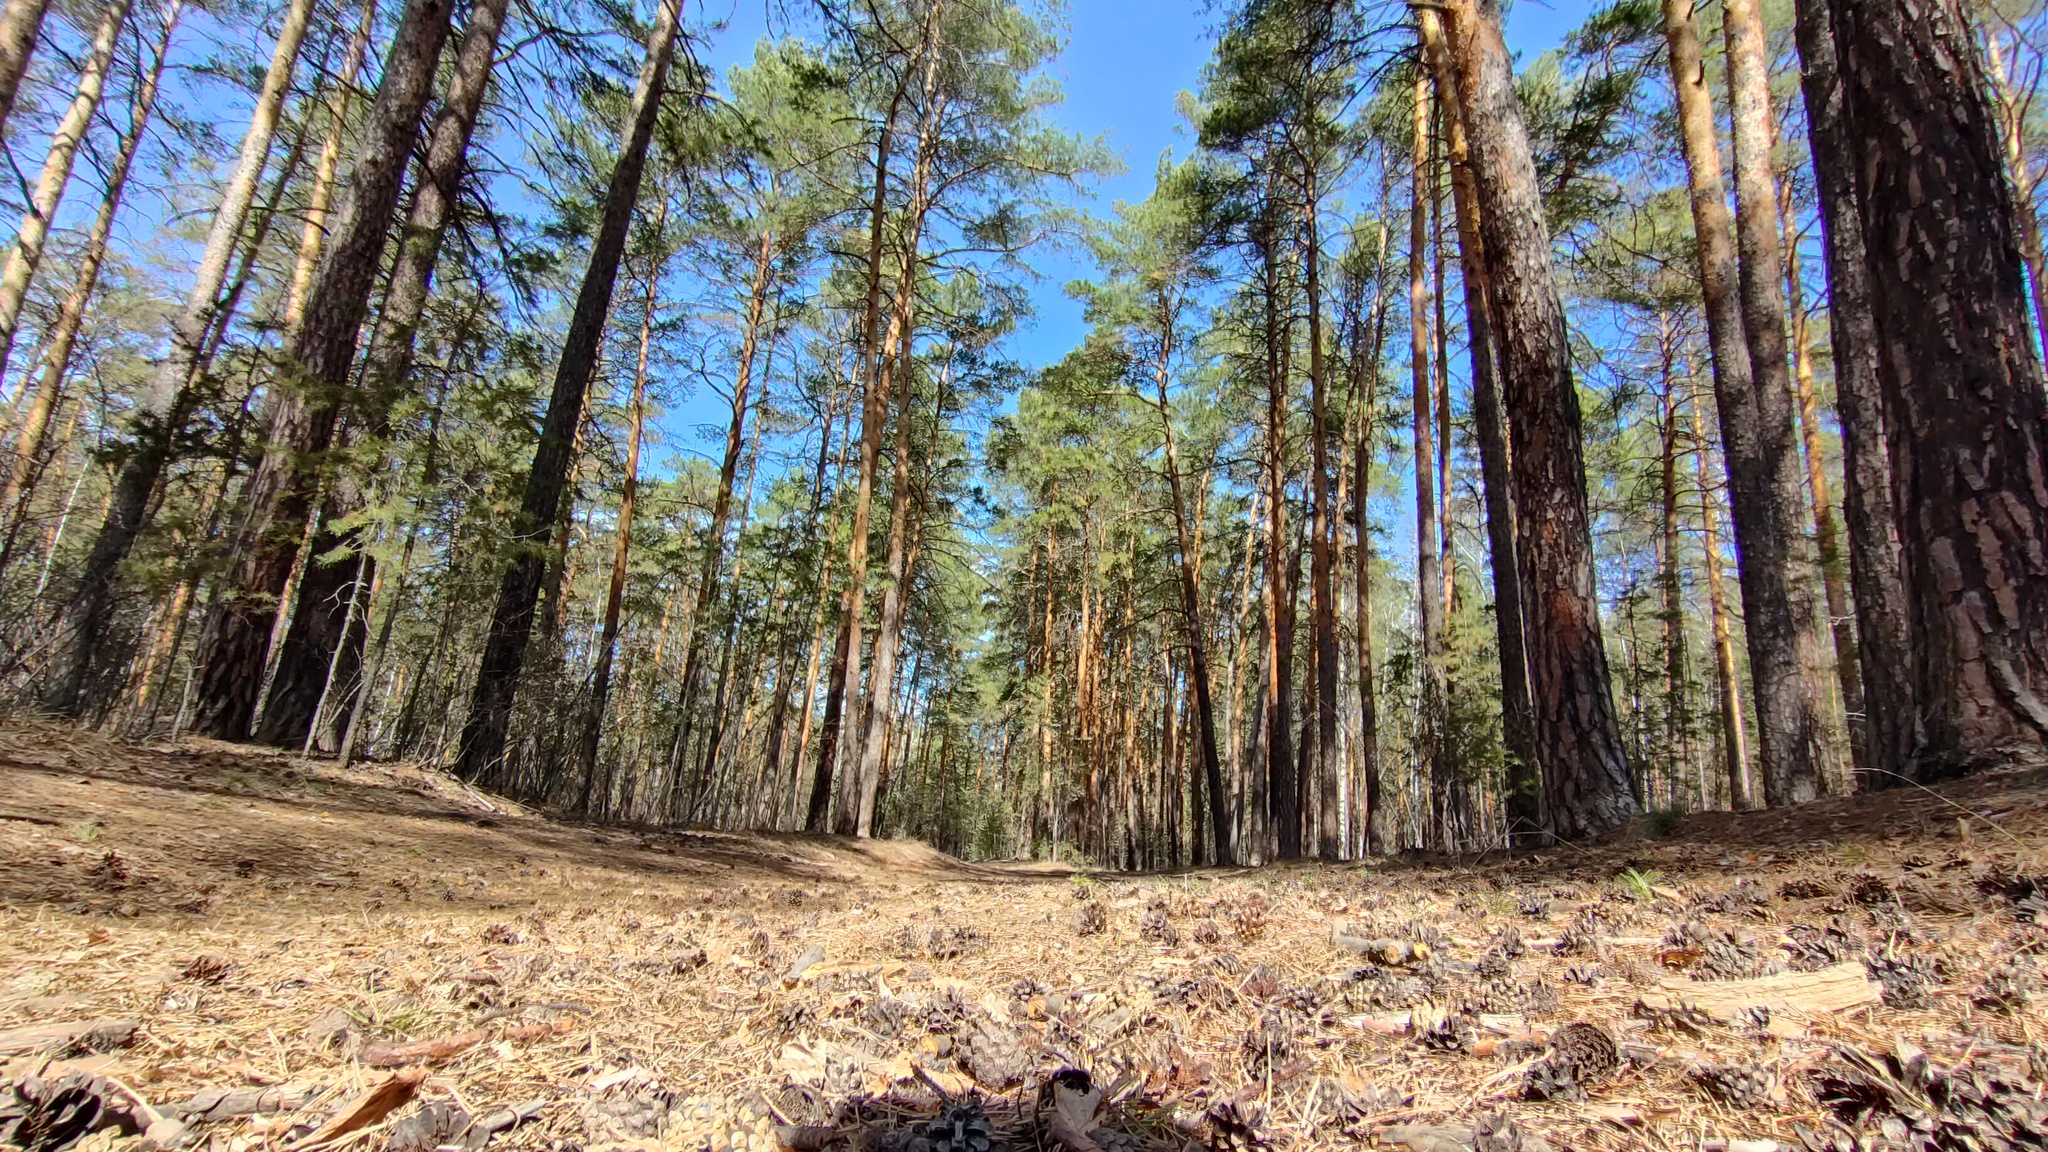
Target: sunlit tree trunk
21,24
1428,539
483,736
1734,737
62,339
1958,367
387,368
1763,520
1282,798
1834,583
1792,720
845,672
320,197
161,413
1524,798
2012,112
585,766
1586,779
27,254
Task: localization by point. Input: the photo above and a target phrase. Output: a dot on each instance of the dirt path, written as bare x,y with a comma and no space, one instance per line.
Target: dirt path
284,926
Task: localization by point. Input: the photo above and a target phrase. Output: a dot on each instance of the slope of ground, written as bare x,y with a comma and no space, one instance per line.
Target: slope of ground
284,937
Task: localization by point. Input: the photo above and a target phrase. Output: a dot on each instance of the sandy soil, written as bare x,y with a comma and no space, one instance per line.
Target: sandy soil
274,924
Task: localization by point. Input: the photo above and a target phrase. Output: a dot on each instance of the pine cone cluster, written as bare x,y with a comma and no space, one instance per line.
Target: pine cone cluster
1869,890
1915,1106
962,1127
1371,988
1534,905
1814,947
1498,996
1247,919
1580,1054
1268,1045
2007,987
1207,932
1582,937
1804,888
1090,918
2028,895
1234,1127
46,1115
1744,1085
1450,1032
1158,929
1908,979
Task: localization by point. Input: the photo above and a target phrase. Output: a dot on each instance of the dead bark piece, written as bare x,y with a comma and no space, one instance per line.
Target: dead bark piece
805,1137
1835,989
227,1103
68,1035
367,1109
439,1050
535,1031
1390,952
1075,1102
500,1120
1428,1137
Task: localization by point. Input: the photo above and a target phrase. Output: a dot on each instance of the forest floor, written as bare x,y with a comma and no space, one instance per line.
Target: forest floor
241,950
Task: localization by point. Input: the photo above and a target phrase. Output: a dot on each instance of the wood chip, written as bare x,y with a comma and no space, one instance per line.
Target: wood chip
95,1035
367,1109
1835,989
439,1050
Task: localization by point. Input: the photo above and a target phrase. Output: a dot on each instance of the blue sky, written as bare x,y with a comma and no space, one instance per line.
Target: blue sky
1125,63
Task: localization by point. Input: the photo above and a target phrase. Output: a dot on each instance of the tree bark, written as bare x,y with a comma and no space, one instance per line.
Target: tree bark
1734,739
315,626
1764,525
306,406
26,256
1958,368
21,23
1524,791
320,197
1781,616
1586,780
1876,568
1827,538
585,767
1282,798
1191,596
482,750
161,414
1428,533
62,339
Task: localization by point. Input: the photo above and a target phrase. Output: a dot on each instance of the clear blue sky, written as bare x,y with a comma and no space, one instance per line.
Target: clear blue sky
1125,64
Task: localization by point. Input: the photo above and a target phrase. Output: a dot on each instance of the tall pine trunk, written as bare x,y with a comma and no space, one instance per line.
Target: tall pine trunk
482,750
1958,367
1524,793
62,339
585,767
1734,736
1784,638
162,412
1428,532
27,254
316,626
21,24
307,400
1282,797
320,197
1763,522
1586,780
1876,568
1191,595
